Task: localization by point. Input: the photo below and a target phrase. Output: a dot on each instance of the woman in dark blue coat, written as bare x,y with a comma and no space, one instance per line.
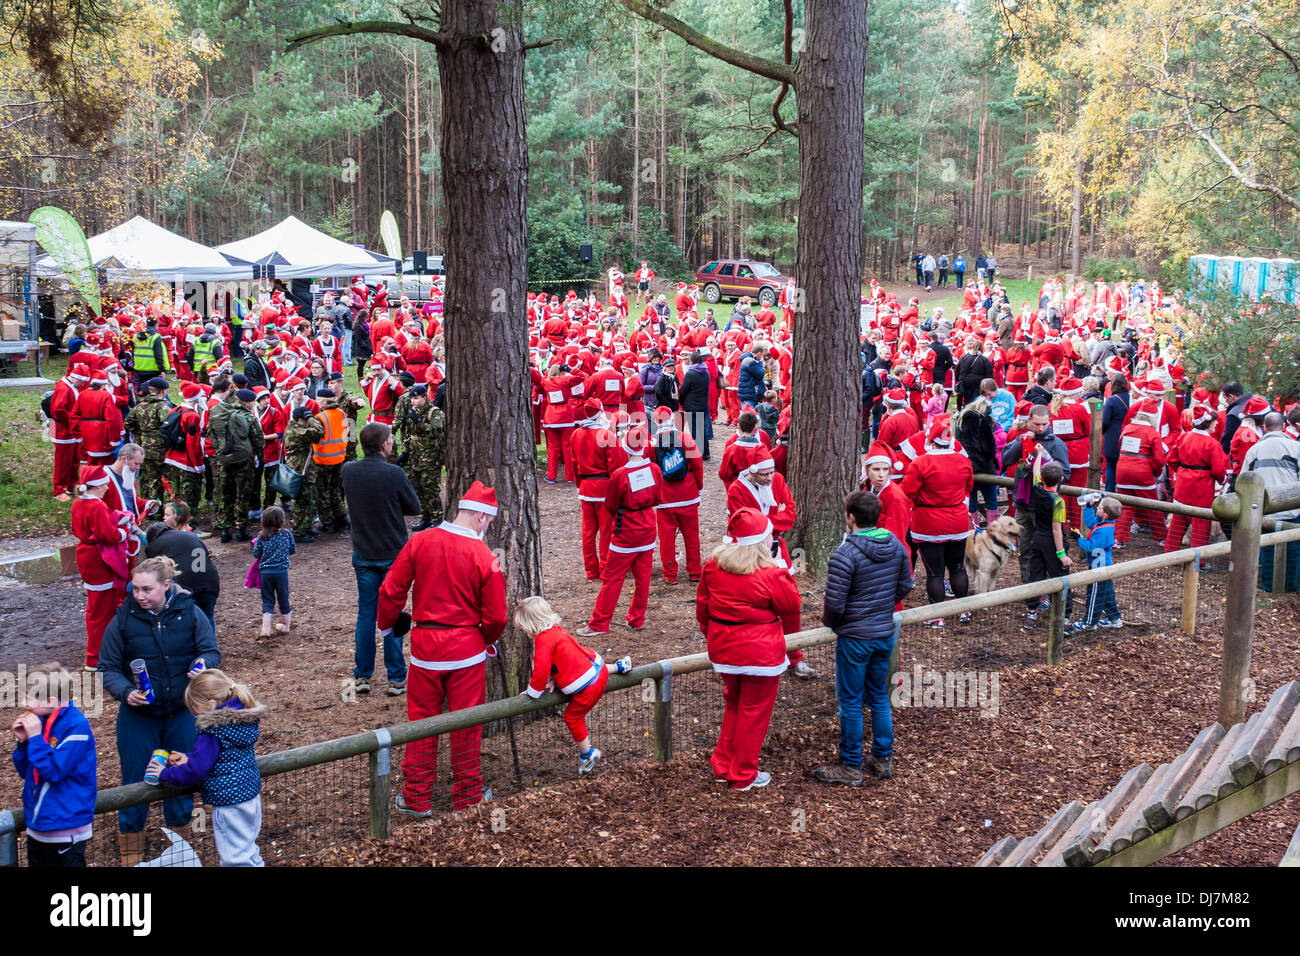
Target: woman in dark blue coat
160,624
1112,424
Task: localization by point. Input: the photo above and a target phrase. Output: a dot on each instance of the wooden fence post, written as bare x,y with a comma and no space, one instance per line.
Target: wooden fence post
1239,615
664,714
381,787
1096,467
1056,623
1191,587
8,839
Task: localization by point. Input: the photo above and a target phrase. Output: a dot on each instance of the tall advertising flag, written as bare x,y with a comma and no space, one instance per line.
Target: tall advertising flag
60,236
392,238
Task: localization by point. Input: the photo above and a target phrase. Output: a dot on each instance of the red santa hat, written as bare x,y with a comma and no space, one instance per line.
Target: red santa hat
636,441
592,408
191,391
99,378
682,287
941,431
879,454
759,459
895,398
92,476
479,497
748,526
663,414
1257,405
1116,364
1201,395
79,370
1202,414
1071,386
295,383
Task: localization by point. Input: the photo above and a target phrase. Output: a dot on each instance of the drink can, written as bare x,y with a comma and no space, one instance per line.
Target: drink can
199,665
141,676
157,761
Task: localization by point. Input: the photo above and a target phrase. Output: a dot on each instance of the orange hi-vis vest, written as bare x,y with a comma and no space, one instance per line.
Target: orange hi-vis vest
331,449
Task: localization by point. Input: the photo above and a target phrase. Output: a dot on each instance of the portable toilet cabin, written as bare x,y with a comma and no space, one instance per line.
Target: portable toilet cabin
1228,275
1282,280
1254,277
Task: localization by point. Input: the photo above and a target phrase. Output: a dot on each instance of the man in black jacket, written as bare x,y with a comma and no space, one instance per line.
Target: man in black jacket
868,575
196,571
1236,397
379,497
255,367
666,389
943,362
694,398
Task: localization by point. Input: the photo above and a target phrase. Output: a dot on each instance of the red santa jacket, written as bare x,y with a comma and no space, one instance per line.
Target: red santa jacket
273,422
417,355
631,495
189,458
382,392
1141,458
63,410
1073,425
938,484
736,453
1199,464
1017,365
684,493
597,455
606,386
779,508
101,423
895,511
557,655
898,426
330,351
458,584
740,616
95,528
558,396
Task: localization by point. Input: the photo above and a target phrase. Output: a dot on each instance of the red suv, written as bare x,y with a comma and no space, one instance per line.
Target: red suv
732,278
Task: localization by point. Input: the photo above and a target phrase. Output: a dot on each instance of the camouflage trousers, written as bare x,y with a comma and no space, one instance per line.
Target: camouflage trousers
239,488
304,506
424,468
329,494
148,483
187,486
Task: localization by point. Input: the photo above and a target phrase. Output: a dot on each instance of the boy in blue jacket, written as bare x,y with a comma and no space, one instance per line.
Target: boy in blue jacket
55,756
868,574
1096,540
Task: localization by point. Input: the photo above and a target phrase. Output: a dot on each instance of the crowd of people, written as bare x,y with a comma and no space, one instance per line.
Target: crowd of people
625,411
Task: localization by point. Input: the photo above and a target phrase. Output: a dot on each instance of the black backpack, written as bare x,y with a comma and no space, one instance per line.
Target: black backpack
172,432
671,459
46,407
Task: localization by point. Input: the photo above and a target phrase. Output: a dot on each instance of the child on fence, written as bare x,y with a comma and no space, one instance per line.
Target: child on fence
1047,554
272,549
227,718
1096,539
561,662
55,756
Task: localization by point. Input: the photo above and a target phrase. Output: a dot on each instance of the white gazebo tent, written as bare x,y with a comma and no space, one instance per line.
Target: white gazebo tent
297,251
139,248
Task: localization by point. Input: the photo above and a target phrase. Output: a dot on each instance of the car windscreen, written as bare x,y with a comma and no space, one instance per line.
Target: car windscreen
764,270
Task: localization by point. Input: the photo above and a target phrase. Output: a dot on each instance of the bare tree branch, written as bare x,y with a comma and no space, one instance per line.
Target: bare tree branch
356,27
780,72
1237,173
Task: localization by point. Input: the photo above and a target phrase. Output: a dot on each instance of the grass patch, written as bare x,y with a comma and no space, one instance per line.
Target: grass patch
27,462
1018,290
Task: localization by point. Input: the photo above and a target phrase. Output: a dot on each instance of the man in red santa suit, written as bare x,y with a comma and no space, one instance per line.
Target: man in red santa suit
1142,454
596,456
187,480
458,610
679,509
900,422
101,421
605,385
684,302
735,456
630,496
66,431
382,390
895,508
759,487
789,301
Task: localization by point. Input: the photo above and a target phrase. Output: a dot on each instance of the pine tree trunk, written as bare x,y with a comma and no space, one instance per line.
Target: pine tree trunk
636,137
830,83
485,182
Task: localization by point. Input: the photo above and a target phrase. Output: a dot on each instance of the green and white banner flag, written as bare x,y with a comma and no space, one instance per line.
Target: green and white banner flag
60,236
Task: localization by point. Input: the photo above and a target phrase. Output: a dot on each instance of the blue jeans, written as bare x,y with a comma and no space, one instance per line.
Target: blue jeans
1111,465
347,347
990,493
862,673
370,576
139,734
275,584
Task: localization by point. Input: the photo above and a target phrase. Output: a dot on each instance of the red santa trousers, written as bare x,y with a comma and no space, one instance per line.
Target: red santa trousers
687,520
581,703
100,608
596,522
559,447
1154,520
731,405
1017,391
1178,524
428,693
67,462
612,575
746,713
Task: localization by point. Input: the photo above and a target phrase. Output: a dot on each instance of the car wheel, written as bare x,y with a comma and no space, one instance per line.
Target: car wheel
712,293
767,296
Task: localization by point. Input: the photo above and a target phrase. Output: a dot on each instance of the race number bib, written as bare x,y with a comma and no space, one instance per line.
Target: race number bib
640,479
578,389
555,397
1064,426
612,385
1131,444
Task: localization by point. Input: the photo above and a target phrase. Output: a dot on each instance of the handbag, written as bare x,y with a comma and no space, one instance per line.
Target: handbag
254,577
286,481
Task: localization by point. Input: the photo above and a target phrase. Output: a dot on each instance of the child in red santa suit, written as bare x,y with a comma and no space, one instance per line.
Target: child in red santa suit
561,664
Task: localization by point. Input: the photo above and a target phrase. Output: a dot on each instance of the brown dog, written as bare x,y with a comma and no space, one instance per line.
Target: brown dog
988,550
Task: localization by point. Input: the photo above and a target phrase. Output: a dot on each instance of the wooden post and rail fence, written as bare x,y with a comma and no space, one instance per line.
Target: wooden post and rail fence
1245,509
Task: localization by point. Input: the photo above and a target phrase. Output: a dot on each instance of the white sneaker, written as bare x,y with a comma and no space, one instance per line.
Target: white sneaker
586,763
586,631
623,665
937,623
803,671
964,617
762,780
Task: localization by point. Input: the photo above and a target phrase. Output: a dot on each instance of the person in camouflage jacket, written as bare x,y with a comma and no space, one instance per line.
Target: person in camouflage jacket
426,446
144,423
303,431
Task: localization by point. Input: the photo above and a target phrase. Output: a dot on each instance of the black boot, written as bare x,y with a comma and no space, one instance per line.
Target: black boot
242,535
423,525
226,536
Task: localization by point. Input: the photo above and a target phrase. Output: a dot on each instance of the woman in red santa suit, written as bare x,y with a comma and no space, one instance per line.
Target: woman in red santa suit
105,546
327,347
558,421
101,421
938,483
382,390
630,498
742,599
